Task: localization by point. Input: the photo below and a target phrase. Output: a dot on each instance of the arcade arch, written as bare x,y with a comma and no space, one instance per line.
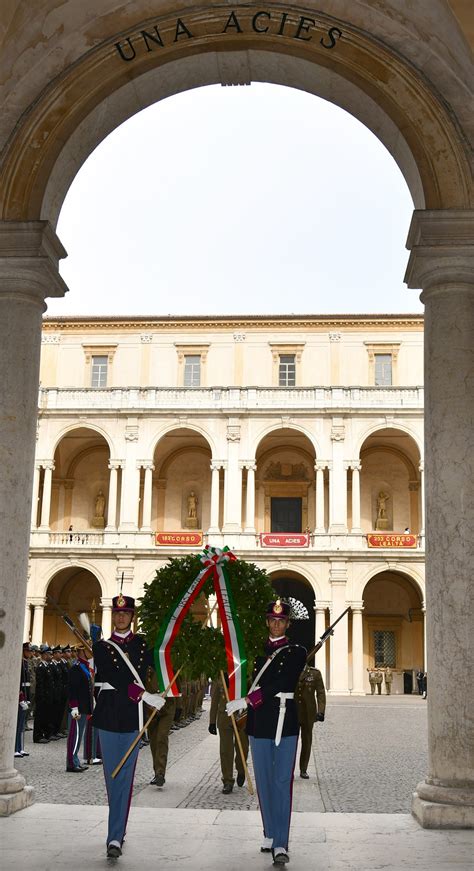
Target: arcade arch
390,483
181,497
291,583
76,590
285,482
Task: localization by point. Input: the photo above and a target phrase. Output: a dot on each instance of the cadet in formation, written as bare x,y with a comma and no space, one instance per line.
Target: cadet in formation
159,730
81,705
23,704
121,666
220,721
311,704
272,726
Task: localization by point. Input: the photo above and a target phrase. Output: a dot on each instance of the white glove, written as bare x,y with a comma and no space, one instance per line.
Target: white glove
75,714
24,706
154,700
236,705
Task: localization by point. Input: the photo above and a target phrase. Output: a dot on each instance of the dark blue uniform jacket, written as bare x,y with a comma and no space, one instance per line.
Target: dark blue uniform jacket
281,676
114,711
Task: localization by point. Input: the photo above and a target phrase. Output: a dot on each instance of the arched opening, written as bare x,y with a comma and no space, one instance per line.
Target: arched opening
80,488
285,483
289,584
182,482
76,590
393,622
391,483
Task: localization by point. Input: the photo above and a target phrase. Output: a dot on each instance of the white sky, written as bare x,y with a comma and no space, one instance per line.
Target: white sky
249,200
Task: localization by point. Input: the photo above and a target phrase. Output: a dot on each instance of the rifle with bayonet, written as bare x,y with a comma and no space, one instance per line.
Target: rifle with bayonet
70,624
324,637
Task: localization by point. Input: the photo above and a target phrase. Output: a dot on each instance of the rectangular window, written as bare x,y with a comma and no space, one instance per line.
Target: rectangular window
287,371
99,372
192,370
383,370
384,649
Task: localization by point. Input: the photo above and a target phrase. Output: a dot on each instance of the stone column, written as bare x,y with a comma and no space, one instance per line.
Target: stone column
319,469
442,263
338,479
29,255
114,466
130,479
233,481
214,519
320,658
356,527
357,651
46,503
34,501
250,501
147,491
38,620
424,636
106,618
26,631
422,497
339,641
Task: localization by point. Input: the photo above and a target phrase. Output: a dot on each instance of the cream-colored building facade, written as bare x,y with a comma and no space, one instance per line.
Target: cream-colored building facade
309,428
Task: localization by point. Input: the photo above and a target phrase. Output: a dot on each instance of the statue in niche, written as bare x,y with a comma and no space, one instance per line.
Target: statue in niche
382,521
98,519
192,517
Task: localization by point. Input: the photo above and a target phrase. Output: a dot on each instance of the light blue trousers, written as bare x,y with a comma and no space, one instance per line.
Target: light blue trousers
274,767
119,790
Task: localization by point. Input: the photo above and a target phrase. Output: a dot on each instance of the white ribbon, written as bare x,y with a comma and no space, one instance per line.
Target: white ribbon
136,676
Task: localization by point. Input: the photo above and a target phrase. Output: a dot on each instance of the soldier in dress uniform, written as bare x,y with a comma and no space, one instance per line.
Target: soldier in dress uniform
121,666
378,680
371,680
228,747
45,695
388,680
80,702
159,730
23,704
272,726
311,704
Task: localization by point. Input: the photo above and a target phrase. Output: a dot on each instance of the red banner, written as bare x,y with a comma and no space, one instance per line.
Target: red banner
391,539
284,539
178,539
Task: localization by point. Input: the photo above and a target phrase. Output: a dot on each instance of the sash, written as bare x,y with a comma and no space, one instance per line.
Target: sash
137,677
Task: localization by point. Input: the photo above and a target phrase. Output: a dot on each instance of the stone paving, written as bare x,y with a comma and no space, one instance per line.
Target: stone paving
370,754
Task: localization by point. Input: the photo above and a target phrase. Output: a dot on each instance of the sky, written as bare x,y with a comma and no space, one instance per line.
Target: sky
248,200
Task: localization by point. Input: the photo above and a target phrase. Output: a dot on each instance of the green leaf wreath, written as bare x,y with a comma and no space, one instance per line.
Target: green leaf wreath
200,649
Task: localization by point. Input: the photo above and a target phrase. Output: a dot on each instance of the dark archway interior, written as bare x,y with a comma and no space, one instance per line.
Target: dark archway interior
300,631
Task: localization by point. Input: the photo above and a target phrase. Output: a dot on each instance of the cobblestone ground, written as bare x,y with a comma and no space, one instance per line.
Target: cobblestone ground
369,755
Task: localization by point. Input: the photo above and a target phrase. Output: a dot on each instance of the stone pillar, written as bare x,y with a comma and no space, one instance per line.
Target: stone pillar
214,519
319,469
38,619
233,481
339,641
130,479
26,630
320,658
46,503
442,263
357,651
424,636
147,492
356,527
34,501
338,479
422,497
106,618
29,256
114,466
250,501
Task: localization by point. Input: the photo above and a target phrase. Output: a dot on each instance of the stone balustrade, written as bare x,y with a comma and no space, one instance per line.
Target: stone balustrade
225,398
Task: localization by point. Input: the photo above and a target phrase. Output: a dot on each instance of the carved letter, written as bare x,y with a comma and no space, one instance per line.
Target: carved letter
254,22
147,36
182,30
303,25
282,25
334,34
119,49
233,21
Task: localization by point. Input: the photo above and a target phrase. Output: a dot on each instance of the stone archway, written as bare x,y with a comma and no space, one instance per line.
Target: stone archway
290,584
76,590
58,107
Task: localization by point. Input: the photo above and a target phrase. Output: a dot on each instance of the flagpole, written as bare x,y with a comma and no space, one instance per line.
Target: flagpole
239,742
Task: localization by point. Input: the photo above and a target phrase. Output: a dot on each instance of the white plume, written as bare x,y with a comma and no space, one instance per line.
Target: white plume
85,623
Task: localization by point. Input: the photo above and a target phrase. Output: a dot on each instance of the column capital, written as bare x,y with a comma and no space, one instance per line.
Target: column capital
216,465
321,606
248,464
355,465
105,602
146,464
357,606
48,464
115,464
442,250
37,601
30,252
321,465
421,466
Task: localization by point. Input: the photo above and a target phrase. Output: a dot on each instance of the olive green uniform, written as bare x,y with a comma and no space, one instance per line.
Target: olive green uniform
378,681
388,681
310,700
159,728
228,748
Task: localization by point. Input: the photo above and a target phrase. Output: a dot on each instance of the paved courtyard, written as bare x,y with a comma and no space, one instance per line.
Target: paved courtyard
368,756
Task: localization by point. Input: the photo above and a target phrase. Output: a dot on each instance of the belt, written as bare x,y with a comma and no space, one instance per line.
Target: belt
281,714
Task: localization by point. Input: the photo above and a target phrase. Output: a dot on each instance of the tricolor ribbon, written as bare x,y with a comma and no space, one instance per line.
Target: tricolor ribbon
215,562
